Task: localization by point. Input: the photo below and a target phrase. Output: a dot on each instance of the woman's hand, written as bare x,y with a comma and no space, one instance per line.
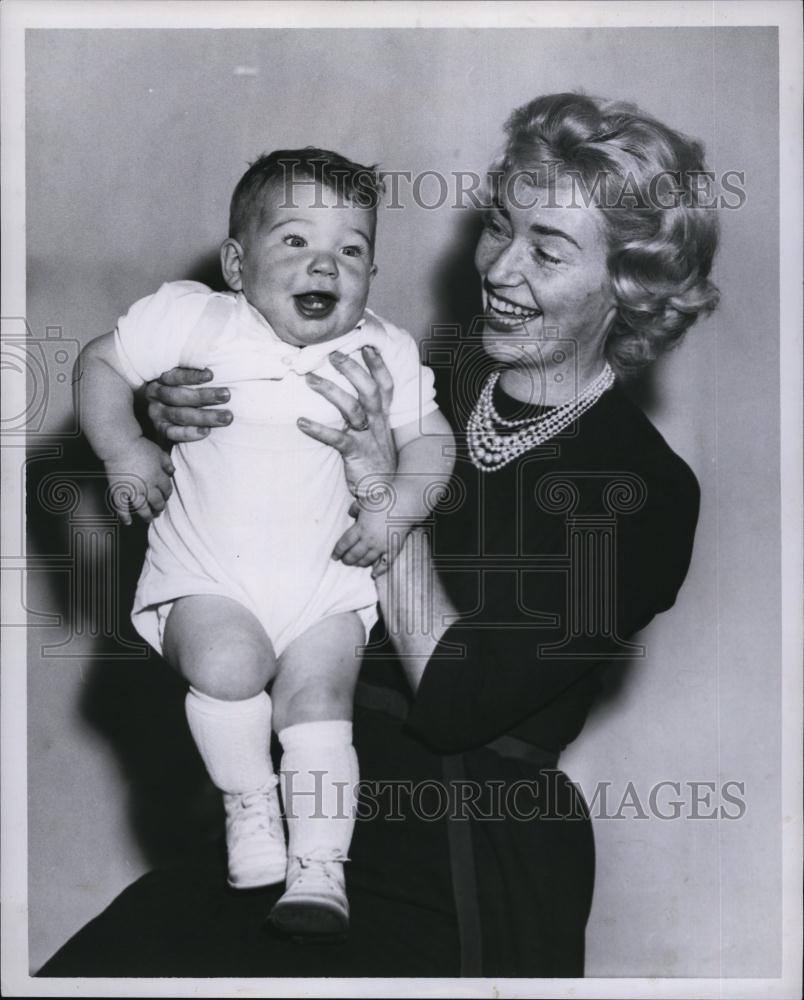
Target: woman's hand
176,409
366,443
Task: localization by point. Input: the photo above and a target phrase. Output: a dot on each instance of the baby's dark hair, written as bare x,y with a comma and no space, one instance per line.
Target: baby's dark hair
352,182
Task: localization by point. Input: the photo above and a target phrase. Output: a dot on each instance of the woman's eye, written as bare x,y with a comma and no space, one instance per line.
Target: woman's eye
495,228
294,241
542,255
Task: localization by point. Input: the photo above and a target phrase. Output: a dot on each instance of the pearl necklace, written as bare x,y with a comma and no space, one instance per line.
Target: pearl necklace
494,442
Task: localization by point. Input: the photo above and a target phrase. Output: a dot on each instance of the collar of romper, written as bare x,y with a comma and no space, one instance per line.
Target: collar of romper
303,360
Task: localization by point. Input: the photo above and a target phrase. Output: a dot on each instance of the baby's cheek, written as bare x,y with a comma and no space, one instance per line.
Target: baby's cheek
355,301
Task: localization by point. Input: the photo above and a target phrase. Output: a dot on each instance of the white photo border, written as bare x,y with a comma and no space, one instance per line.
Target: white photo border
18,15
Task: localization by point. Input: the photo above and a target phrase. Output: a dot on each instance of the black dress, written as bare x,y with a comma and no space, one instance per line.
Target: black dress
473,853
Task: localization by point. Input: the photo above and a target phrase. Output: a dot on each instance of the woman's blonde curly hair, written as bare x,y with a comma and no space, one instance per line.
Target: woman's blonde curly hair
651,185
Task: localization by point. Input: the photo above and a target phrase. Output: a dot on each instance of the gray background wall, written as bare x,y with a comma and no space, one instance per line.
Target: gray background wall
134,141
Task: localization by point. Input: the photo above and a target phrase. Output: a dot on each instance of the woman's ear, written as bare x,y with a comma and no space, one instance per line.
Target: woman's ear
232,264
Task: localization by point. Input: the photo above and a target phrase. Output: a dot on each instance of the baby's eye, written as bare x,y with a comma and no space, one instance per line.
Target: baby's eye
353,251
292,240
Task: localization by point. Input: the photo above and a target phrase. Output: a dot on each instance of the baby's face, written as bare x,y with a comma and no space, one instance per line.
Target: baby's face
307,268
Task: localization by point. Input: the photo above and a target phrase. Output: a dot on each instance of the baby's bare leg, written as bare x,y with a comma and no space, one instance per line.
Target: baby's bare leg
227,657
313,695
219,647
318,671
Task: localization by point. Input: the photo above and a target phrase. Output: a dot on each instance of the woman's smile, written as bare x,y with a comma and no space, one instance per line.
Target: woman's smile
545,280
505,312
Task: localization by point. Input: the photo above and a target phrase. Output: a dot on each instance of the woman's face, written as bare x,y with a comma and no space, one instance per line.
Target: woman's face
542,258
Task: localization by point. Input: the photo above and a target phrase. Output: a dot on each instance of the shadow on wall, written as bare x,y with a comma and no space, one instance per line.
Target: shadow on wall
207,270
135,703
453,348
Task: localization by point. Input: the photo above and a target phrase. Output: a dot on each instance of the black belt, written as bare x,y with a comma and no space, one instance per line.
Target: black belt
394,703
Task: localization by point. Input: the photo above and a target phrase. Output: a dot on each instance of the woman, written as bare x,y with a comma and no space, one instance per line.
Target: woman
570,526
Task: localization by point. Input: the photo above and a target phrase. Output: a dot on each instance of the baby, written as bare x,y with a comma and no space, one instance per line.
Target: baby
240,589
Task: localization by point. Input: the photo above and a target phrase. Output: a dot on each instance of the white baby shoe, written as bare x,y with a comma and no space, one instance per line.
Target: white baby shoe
314,903
255,838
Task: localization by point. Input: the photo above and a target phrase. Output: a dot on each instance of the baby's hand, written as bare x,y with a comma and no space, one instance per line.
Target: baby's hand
371,541
139,480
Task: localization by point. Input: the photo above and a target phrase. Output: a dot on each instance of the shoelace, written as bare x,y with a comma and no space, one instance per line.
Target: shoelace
319,861
254,812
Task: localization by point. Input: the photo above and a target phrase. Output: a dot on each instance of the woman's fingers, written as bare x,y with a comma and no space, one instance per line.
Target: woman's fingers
350,408
374,387
185,376
184,395
380,374
185,423
178,435
326,435
190,416
368,392
162,417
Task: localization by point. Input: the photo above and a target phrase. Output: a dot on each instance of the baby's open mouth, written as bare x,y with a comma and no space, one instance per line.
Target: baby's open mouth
315,305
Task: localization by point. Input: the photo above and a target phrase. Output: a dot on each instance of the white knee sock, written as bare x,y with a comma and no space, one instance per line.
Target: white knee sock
319,776
233,738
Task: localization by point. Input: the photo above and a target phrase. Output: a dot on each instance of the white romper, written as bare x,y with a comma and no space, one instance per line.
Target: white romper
257,506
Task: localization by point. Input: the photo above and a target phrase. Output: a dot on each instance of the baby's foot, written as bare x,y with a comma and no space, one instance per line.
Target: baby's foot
255,838
314,903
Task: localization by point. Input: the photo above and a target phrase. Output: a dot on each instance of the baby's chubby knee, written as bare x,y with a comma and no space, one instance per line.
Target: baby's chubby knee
227,682
221,655
232,671
234,667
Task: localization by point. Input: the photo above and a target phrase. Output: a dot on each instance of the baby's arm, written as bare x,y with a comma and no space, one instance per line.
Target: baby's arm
138,470
388,511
